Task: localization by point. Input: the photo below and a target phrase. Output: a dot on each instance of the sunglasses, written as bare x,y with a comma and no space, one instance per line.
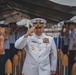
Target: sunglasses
38,27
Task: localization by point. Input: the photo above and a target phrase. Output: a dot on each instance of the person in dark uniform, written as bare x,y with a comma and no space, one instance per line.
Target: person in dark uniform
61,37
2,54
72,46
6,43
21,31
66,38
12,38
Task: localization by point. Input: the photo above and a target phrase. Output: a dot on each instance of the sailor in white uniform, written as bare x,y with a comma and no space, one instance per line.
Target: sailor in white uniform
72,46
38,48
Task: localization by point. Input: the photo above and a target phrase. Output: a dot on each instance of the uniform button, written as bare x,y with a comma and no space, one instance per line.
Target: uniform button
38,38
39,63
40,43
39,56
40,50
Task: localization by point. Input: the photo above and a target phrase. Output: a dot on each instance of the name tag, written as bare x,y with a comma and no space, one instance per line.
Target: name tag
34,41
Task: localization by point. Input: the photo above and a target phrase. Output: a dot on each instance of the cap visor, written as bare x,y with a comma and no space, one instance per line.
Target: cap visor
38,25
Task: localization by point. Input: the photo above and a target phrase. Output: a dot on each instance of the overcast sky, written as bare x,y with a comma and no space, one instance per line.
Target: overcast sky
65,2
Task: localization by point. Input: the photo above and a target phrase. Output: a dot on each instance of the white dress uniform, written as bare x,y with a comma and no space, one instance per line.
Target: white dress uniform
38,49
71,52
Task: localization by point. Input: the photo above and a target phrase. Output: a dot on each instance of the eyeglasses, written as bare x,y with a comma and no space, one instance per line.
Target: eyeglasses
38,27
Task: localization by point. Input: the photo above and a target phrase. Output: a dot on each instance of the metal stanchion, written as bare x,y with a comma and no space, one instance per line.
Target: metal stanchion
65,65
20,62
60,55
15,64
8,67
74,69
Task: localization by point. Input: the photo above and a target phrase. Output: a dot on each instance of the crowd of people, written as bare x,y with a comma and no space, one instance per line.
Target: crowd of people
9,33
68,34
41,52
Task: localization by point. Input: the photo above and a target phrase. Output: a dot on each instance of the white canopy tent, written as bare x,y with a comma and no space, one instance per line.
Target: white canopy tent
73,19
21,22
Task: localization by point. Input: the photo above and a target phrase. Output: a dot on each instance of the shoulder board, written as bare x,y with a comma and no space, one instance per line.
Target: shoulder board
30,34
48,35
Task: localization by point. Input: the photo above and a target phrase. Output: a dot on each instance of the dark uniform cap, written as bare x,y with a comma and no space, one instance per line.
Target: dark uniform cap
38,22
66,23
72,22
1,25
6,24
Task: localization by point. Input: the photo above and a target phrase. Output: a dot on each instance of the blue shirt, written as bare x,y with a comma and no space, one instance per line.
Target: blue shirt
6,44
66,38
71,37
12,38
19,34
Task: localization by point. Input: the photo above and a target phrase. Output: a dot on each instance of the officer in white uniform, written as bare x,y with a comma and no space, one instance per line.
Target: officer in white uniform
38,48
72,46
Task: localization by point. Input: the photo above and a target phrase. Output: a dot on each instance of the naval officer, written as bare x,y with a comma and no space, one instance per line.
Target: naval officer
72,45
38,48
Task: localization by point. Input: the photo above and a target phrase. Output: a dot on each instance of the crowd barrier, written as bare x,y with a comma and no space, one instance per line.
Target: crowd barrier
15,67
63,64
74,69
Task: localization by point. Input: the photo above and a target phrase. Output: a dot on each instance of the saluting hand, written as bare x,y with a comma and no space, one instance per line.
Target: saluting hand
2,31
29,31
1,38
